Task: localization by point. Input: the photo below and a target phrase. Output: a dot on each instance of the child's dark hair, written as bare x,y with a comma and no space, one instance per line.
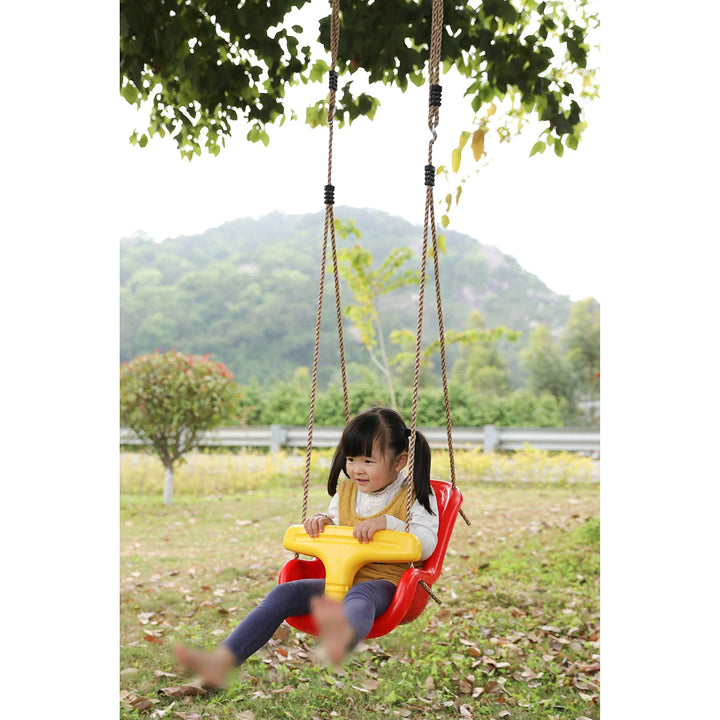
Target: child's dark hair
393,437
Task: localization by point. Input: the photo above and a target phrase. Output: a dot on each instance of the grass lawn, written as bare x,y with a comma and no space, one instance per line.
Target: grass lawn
517,635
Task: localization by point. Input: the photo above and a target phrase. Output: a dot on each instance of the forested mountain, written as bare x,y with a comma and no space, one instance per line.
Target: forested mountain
246,293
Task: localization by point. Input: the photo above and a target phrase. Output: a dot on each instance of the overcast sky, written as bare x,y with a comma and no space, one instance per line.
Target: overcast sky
541,210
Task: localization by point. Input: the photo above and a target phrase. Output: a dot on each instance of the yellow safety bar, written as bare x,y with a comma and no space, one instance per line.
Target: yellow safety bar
343,555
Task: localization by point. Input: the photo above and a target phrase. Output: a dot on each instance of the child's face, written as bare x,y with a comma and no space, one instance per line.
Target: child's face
375,472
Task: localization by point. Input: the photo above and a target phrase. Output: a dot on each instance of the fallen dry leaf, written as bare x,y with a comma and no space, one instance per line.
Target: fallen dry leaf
465,686
162,673
282,633
493,686
550,629
142,705
183,691
246,715
286,689
592,697
429,683
370,684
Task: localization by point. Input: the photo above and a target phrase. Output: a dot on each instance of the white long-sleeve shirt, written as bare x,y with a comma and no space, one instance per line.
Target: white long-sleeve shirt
422,524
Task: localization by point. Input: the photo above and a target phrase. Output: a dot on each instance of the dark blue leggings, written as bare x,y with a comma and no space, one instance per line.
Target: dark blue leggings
363,603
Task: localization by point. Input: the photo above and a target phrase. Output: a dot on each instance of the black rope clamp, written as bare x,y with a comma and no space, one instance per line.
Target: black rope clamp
332,80
430,175
435,95
329,194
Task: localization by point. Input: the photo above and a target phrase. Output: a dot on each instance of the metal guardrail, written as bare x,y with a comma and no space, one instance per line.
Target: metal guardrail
489,437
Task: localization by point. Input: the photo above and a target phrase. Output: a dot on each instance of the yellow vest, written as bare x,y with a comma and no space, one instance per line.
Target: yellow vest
347,491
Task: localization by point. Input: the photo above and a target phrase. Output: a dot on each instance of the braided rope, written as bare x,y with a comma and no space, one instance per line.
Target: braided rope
338,312
334,38
313,388
428,590
328,225
416,376
443,362
433,120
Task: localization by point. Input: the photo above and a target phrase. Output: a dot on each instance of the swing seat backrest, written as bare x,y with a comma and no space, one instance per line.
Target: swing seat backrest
410,597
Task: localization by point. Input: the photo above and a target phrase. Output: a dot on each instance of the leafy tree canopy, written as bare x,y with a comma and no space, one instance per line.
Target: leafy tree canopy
206,63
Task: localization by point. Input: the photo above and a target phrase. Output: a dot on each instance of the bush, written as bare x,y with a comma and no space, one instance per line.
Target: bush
168,399
287,403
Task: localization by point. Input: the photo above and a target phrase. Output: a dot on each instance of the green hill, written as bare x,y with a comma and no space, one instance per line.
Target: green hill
246,293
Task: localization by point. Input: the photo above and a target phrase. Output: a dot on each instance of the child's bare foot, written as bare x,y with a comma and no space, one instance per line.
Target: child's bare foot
212,667
336,633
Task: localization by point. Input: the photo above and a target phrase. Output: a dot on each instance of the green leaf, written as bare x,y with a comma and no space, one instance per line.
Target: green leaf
559,147
445,220
318,70
538,147
464,137
455,159
130,93
478,143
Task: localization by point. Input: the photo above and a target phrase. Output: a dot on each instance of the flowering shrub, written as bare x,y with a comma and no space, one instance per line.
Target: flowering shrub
522,466
168,399
220,473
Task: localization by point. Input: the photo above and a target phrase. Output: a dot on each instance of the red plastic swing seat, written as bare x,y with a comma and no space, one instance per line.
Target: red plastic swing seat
410,597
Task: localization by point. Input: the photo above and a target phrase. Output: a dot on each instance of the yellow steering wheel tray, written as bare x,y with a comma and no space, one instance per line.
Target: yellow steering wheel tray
343,555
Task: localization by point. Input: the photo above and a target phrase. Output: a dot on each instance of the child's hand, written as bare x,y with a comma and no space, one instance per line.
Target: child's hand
365,529
316,524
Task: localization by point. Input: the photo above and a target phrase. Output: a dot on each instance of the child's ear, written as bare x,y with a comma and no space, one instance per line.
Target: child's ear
401,461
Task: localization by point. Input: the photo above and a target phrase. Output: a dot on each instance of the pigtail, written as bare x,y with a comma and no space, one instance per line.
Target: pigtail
337,466
421,471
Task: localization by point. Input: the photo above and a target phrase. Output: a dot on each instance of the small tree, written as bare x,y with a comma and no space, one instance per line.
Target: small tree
167,399
581,338
548,369
367,286
481,366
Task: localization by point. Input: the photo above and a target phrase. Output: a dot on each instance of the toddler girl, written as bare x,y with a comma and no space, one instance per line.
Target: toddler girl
372,453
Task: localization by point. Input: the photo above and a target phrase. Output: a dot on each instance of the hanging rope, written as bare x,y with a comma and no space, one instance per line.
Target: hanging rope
435,97
328,226
429,228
